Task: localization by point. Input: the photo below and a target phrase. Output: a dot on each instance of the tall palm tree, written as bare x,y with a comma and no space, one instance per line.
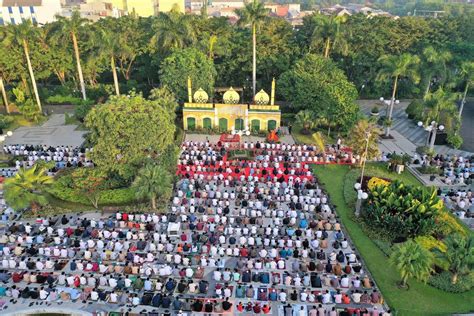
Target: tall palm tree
435,64
4,95
397,67
153,182
459,255
21,35
467,74
328,33
26,188
70,28
440,106
109,46
253,14
172,30
412,261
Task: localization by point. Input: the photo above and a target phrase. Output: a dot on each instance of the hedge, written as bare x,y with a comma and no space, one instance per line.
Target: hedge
443,282
107,197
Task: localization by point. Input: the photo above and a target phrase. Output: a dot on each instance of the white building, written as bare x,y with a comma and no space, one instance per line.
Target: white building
38,11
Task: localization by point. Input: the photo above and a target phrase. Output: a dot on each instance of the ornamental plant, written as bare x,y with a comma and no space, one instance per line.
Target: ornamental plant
403,211
374,182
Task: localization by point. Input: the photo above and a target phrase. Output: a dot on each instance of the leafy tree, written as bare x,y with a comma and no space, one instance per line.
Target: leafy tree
70,27
185,63
153,182
459,255
90,182
166,97
253,14
397,67
316,84
412,261
435,65
126,131
21,35
365,134
26,188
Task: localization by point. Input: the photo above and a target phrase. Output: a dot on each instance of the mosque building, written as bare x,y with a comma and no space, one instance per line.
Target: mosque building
231,115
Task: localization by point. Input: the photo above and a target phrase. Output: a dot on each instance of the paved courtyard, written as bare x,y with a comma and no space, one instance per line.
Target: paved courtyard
52,133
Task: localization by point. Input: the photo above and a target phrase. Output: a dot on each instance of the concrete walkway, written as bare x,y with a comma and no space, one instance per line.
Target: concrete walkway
52,133
407,128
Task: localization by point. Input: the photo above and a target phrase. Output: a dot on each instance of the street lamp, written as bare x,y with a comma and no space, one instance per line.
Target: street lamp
361,195
4,137
388,111
432,130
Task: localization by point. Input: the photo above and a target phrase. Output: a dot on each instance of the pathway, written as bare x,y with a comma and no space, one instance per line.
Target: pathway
408,129
52,133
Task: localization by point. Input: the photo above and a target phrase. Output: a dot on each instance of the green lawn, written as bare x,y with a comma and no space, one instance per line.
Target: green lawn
308,139
420,299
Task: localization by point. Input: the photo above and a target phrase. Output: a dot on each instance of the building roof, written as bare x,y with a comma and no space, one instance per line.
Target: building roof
22,3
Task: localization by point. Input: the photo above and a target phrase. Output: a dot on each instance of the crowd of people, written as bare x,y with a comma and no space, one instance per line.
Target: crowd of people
62,156
251,243
454,170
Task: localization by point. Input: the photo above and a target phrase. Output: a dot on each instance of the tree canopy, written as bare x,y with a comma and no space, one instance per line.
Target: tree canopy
317,84
128,129
185,63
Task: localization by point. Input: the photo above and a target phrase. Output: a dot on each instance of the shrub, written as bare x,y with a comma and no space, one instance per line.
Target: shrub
63,99
375,110
429,170
424,150
406,211
447,224
374,181
81,110
5,121
414,110
443,282
430,243
455,140
106,197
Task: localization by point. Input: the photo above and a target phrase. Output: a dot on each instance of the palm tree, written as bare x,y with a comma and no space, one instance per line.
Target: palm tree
26,188
21,35
70,28
466,73
328,33
109,46
435,65
153,182
459,255
365,135
4,95
253,14
172,30
397,67
305,118
412,261
440,106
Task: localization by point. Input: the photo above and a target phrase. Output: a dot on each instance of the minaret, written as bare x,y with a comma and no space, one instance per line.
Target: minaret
272,97
190,91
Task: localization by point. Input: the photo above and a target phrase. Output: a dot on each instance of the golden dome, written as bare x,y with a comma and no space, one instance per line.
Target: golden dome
231,96
262,98
200,96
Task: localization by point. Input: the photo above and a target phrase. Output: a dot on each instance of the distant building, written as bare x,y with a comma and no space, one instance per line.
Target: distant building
142,8
221,4
95,10
38,11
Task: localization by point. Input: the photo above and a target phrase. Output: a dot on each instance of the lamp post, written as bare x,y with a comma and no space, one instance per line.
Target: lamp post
4,137
388,112
361,195
432,130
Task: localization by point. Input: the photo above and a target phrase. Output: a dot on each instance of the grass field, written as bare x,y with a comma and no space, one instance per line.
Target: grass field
420,299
